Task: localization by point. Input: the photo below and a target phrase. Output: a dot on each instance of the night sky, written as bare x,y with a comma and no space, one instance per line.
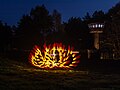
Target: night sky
12,10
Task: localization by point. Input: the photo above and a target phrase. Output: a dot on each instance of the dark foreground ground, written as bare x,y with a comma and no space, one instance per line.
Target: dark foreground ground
16,75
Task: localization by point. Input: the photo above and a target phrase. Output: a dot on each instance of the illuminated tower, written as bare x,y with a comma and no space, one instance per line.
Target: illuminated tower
96,29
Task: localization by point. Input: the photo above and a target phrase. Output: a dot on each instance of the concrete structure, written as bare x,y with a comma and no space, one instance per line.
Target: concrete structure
96,29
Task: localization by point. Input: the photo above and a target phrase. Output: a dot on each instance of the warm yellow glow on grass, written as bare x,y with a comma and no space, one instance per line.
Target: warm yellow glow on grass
54,56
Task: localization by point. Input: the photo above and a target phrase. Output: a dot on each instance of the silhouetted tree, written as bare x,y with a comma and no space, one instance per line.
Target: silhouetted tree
114,11
41,19
57,34
98,16
25,32
32,28
87,18
56,20
112,31
78,33
5,37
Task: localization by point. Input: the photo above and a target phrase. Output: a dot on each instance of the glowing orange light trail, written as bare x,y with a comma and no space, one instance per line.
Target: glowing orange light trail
54,56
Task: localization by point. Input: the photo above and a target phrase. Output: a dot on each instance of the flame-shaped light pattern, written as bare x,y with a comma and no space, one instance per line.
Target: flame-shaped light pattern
54,56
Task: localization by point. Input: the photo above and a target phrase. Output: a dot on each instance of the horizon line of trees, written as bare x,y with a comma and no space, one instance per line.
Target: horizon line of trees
39,27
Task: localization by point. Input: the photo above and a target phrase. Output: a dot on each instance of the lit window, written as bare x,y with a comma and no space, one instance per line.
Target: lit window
99,26
96,25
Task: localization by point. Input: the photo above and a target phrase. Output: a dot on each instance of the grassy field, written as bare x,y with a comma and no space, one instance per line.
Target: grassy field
15,75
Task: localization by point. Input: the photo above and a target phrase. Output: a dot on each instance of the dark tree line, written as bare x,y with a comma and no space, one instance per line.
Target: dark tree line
33,27
5,37
39,27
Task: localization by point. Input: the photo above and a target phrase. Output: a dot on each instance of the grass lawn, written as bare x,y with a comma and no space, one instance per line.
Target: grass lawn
16,75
